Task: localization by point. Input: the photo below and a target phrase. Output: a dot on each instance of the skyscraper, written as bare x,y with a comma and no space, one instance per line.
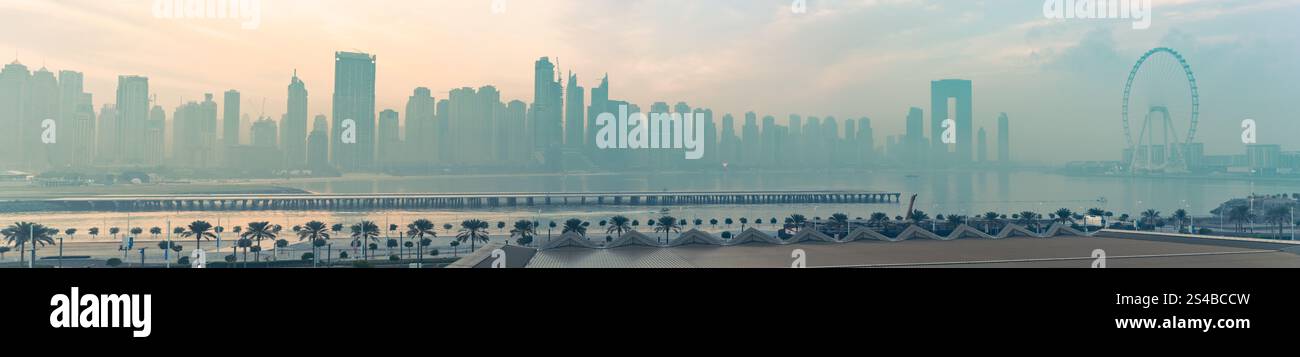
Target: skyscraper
318,144
599,104
574,120
132,114
42,104
78,128
1004,139
354,111
421,127
13,102
729,143
940,92
264,133
520,142
547,104
389,138
293,129
914,144
866,140
230,119
751,145
155,136
106,134
982,148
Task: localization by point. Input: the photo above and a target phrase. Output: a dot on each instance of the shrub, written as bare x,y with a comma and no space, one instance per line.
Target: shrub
343,255
183,261
726,235
231,258
308,256
1205,231
433,252
114,262
394,257
361,264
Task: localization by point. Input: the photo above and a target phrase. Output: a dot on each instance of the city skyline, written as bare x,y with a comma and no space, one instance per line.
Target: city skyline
1008,49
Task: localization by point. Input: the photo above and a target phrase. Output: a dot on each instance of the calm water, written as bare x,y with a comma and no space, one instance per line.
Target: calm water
944,193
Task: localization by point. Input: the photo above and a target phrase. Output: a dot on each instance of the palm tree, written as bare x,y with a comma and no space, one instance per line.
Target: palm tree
135,232
155,231
1240,215
314,231
574,225
22,233
668,225
743,222
418,230
71,233
114,231
619,225
919,216
244,243
93,231
878,219
474,230
797,220
1280,215
1029,219
364,233
1065,215
3,250
1180,218
839,222
200,230
1150,216
524,230
337,228
258,231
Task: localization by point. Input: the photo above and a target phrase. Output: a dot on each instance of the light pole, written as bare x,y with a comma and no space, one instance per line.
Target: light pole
61,248
167,252
31,232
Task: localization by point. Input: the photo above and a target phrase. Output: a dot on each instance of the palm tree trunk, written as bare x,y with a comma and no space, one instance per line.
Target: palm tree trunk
22,258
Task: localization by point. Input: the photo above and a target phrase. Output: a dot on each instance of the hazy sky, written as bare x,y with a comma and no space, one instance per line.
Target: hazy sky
1060,81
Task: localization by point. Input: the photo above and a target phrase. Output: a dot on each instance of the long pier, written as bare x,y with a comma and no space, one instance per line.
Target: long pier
347,202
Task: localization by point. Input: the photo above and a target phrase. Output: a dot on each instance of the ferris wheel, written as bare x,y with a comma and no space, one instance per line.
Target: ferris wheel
1162,87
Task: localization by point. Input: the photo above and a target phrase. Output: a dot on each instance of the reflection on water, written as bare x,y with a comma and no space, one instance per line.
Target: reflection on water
943,193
